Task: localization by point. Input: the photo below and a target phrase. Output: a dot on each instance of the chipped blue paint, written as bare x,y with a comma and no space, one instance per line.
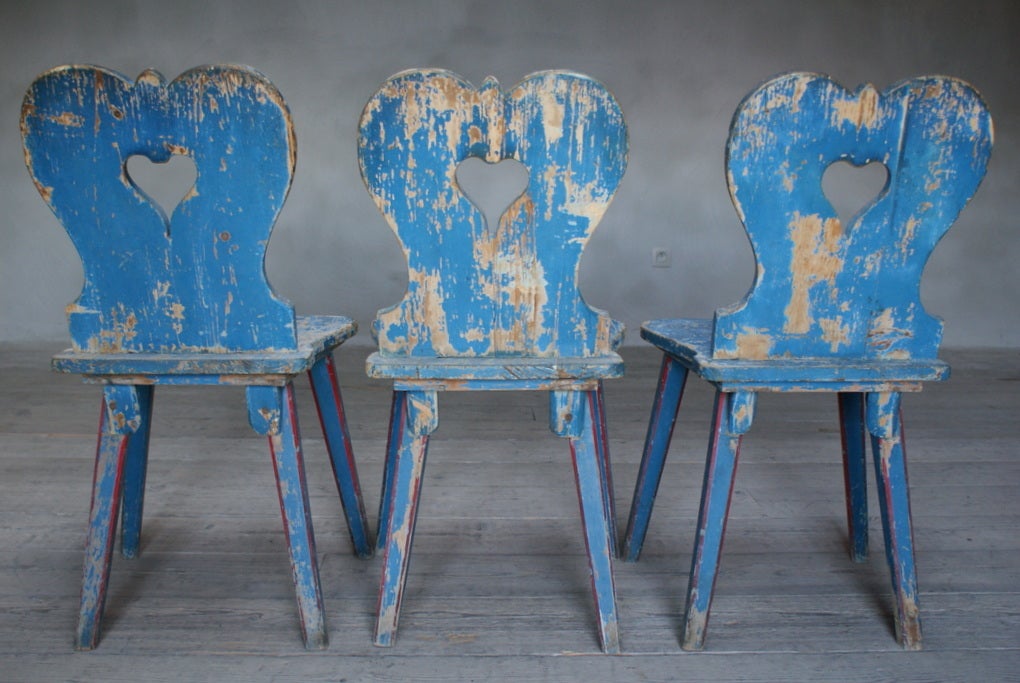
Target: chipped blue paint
853,436
118,418
668,394
493,307
272,412
330,407
592,492
716,495
832,308
183,299
824,290
135,466
510,289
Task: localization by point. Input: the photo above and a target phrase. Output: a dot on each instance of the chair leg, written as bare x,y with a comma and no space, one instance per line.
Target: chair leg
396,433
605,466
272,412
589,474
888,444
135,466
330,406
853,433
119,416
668,394
418,416
731,417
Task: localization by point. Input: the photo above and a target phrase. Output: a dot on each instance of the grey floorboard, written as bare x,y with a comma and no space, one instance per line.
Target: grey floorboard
498,584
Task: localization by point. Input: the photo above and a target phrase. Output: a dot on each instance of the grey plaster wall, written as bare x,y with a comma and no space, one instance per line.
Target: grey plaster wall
678,68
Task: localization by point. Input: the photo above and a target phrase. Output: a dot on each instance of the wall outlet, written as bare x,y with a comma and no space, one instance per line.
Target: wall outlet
661,258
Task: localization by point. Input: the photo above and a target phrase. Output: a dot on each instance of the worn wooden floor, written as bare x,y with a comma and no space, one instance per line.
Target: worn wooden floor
498,589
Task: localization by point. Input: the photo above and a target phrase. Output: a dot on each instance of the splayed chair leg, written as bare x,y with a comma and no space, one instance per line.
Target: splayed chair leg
605,466
272,412
732,417
396,433
417,412
884,418
120,416
135,465
668,394
330,406
854,438
573,415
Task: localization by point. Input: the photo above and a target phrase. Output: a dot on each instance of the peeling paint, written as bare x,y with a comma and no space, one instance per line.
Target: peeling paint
414,133
69,119
816,258
861,111
834,332
750,345
80,125
817,282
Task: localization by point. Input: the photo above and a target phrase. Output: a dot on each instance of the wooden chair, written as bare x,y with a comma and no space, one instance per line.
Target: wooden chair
493,307
832,308
184,299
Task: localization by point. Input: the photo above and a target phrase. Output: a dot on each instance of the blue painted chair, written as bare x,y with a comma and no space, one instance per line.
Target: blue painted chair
832,308
494,307
184,299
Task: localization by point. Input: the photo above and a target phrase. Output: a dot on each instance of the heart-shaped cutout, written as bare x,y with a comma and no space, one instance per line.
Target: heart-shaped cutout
492,187
850,189
165,184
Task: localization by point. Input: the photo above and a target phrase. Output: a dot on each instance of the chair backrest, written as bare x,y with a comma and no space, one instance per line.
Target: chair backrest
510,289
194,281
827,290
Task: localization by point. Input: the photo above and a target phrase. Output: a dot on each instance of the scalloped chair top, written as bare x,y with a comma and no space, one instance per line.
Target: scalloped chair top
506,290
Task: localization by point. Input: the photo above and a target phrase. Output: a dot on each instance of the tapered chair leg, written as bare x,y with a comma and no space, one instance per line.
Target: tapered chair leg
731,417
598,528
330,406
272,411
394,436
854,440
417,412
668,394
135,465
885,424
605,466
119,416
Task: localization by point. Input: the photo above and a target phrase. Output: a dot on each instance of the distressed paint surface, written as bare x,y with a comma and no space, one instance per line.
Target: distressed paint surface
503,290
119,416
333,420
666,404
826,290
833,308
184,299
594,499
273,413
135,466
191,281
716,496
853,435
494,307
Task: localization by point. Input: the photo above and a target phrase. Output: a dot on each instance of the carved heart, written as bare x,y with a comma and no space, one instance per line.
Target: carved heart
165,183
492,187
851,189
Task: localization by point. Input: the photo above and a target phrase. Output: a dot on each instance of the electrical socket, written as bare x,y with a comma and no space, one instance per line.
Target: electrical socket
661,258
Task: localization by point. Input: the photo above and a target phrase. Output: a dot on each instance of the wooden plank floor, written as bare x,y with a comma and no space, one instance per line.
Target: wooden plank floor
498,587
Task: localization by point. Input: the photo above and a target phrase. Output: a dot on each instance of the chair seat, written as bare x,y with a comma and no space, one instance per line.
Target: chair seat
690,342
316,336
507,372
